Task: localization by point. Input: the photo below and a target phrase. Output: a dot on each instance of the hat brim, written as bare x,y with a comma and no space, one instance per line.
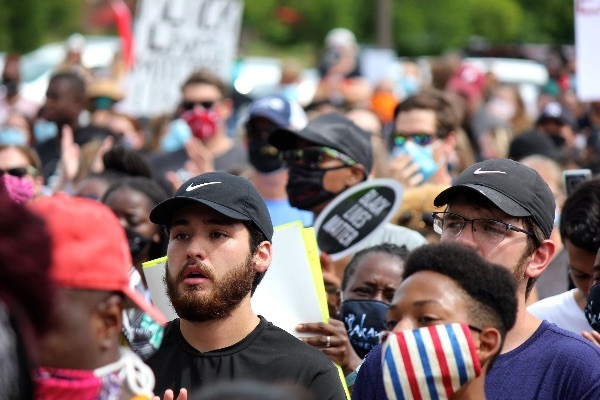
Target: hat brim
271,116
284,139
144,305
163,213
500,200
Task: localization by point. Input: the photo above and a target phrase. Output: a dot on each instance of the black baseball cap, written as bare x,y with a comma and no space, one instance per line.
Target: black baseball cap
230,195
513,187
331,130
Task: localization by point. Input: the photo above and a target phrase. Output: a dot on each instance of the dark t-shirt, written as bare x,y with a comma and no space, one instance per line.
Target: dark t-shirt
267,354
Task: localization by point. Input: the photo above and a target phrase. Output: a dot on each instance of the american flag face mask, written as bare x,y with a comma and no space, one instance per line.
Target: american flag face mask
429,363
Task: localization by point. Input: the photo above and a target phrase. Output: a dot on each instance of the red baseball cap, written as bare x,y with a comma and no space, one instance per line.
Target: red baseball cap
468,81
89,248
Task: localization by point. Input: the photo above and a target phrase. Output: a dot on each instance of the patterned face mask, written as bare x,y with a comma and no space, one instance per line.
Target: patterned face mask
432,362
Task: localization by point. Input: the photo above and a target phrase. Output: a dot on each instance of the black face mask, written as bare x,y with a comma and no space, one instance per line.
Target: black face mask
558,140
365,321
263,156
592,308
137,242
305,187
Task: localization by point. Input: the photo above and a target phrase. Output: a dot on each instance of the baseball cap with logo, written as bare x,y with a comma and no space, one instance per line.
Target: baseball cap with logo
331,130
89,248
279,110
513,187
553,111
230,195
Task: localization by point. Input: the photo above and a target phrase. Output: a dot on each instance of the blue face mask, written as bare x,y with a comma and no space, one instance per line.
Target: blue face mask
421,155
365,321
11,136
44,130
178,134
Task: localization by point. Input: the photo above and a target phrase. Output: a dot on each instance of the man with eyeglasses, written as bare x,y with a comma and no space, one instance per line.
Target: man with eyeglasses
328,156
424,139
197,142
505,211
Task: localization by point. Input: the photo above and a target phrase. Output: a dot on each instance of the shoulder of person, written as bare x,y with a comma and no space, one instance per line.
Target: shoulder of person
570,346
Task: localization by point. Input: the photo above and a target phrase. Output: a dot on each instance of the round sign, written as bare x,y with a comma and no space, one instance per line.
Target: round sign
355,215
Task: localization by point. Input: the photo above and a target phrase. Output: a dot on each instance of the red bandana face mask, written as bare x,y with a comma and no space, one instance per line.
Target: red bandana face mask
429,363
203,122
67,384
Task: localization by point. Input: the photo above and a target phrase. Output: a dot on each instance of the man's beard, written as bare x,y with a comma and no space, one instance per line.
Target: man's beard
519,271
218,303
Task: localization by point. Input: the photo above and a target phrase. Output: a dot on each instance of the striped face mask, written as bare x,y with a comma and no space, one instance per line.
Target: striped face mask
429,363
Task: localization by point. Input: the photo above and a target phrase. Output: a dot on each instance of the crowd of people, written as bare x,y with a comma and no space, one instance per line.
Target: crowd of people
484,283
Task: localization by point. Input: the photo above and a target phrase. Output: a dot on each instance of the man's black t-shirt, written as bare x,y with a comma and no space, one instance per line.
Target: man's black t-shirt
267,354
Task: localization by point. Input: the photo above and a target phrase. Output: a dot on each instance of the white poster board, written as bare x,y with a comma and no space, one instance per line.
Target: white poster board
172,39
587,48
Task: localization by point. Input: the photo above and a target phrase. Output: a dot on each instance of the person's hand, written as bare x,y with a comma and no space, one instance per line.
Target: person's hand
333,341
404,170
69,155
169,395
592,336
202,158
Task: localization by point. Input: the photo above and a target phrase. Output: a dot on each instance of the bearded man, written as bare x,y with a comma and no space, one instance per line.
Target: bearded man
220,236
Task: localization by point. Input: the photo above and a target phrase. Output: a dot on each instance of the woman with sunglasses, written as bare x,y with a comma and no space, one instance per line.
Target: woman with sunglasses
19,173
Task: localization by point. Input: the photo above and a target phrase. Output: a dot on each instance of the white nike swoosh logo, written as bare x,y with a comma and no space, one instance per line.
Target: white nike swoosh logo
478,171
192,187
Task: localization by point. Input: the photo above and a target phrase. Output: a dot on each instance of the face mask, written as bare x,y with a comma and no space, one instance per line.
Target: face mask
558,140
421,155
19,189
365,321
202,121
67,384
178,134
305,187
11,136
128,374
501,109
137,242
432,362
592,308
263,156
44,130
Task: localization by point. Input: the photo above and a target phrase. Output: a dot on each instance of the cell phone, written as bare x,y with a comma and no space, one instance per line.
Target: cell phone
573,177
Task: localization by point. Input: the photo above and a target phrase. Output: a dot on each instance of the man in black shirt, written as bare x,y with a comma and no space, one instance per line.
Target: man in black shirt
220,236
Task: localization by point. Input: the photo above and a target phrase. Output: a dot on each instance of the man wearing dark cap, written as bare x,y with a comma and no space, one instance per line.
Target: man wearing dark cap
328,156
219,249
505,211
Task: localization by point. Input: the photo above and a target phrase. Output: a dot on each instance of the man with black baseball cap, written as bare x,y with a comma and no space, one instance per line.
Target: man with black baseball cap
505,211
220,236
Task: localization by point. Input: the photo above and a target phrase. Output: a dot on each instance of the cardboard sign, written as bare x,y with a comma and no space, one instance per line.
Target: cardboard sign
355,215
173,38
587,49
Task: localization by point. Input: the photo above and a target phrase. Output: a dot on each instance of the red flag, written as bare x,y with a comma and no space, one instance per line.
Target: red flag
123,21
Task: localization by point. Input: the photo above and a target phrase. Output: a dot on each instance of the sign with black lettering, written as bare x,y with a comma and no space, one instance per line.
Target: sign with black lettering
354,215
173,38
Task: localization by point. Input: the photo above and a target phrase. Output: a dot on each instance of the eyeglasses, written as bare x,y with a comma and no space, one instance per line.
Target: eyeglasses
422,139
189,105
484,230
19,172
311,157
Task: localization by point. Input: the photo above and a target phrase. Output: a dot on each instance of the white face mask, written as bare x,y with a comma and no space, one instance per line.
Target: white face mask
133,374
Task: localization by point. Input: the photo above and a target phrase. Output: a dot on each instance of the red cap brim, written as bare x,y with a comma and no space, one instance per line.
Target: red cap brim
144,305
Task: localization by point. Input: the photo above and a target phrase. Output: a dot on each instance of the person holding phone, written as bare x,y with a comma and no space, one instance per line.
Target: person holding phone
424,139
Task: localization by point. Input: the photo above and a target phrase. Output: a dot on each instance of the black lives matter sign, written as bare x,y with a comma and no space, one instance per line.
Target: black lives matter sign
355,215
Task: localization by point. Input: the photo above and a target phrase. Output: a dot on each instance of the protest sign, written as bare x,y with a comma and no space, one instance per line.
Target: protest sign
172,39
587,49
355,215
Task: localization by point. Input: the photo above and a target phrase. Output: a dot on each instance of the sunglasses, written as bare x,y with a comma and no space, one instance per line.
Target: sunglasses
189,105
422,139
311,157
19,172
